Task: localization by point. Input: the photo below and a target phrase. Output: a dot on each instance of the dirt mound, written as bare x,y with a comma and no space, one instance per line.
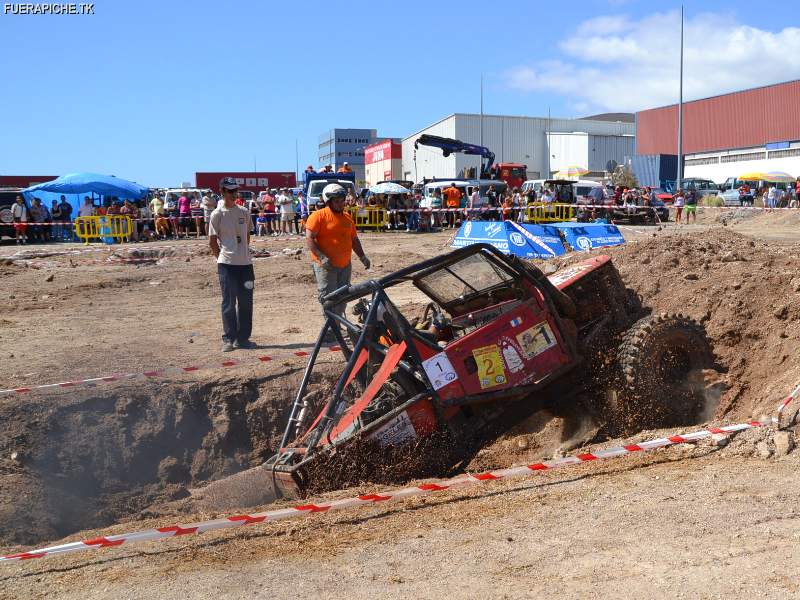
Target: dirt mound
743,291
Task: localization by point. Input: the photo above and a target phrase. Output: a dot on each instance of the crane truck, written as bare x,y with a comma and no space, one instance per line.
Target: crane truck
513,174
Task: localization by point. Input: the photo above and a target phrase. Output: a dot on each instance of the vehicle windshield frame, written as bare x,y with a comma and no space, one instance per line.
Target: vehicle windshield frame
429,281
320,184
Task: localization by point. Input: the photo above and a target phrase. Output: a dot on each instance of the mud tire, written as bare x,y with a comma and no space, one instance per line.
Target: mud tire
658,380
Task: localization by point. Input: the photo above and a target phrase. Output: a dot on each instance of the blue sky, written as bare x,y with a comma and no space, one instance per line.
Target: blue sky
154,91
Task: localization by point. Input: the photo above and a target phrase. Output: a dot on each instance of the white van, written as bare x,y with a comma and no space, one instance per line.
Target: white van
580,188
467,186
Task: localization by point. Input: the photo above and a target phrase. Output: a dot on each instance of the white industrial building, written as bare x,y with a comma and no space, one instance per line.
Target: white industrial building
544,145
720,166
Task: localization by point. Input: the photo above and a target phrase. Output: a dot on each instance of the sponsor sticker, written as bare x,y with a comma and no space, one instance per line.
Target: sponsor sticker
567,274
395,432
512,355
516,238
536,339
491,369
439,370
493,229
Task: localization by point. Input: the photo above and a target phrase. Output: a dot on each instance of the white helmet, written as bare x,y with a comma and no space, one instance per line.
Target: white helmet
333,190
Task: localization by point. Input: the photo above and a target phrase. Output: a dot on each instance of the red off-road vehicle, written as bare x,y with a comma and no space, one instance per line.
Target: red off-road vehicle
450,352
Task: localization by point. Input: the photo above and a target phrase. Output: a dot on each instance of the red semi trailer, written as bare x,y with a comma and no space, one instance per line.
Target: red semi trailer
253,181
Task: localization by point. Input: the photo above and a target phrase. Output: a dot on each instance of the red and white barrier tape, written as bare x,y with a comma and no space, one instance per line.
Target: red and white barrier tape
418,209
546,207
397,494
162,373
793,395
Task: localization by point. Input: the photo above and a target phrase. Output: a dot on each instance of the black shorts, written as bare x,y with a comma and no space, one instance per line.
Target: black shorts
184,220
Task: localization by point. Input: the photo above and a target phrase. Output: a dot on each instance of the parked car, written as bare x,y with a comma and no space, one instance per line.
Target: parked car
702,187
729,191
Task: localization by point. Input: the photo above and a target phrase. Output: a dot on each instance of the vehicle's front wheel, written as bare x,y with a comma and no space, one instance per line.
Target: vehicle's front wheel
658,378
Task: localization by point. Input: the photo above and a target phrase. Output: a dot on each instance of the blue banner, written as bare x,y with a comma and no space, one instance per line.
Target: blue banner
585,236
523,240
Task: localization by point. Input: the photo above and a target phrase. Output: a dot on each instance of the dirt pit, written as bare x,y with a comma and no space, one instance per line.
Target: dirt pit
99,460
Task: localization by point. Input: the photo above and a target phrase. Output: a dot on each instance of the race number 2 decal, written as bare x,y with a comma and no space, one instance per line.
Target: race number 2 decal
537,339
491,368
439,370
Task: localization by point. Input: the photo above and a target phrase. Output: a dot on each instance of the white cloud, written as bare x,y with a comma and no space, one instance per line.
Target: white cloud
617,64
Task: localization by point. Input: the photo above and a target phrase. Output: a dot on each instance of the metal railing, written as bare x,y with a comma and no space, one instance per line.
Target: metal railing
549,212
116,227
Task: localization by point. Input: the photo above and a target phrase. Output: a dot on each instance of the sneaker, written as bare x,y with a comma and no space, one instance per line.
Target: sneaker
227,347
245,345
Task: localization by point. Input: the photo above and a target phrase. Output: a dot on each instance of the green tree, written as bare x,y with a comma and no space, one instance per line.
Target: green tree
624,177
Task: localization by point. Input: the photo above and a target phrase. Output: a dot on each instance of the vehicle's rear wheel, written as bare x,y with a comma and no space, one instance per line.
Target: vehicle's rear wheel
658,379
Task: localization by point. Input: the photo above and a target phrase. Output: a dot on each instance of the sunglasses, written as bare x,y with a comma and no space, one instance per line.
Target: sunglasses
337,197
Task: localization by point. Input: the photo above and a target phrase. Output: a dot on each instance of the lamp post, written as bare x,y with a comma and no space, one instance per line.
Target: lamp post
679,179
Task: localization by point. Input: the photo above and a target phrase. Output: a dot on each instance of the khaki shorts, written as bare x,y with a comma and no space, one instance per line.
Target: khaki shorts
287,217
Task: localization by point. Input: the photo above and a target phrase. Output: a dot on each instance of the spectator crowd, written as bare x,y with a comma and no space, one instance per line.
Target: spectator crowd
279,212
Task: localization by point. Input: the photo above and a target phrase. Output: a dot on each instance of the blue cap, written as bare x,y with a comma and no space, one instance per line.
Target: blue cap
228,183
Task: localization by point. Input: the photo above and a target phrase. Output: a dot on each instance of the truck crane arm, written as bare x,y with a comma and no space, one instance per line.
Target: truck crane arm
449,145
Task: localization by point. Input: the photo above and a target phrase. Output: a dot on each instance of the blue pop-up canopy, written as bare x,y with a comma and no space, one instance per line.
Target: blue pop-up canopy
85,183
524,240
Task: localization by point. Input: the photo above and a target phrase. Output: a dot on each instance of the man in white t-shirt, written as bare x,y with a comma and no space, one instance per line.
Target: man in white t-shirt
285,202
209,204
772,196
20,216
476,204
228,237
87,208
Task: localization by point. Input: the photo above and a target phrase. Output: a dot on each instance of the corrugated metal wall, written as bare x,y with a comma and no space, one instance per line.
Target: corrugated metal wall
603,148
739,120
512,139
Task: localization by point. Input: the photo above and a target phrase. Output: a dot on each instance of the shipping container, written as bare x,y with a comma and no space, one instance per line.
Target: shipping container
655,170
23,181
248,181
745,119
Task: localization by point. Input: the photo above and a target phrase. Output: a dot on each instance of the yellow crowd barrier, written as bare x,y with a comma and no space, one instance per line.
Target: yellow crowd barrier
118,227
544,212
369,217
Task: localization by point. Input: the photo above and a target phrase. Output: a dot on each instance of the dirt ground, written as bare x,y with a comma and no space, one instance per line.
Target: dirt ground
696,521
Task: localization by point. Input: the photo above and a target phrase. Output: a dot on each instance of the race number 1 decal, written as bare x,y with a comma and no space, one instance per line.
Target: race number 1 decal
491,368
537,339
439,370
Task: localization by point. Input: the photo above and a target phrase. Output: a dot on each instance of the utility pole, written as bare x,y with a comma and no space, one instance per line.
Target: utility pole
296,161
481,143
547,144
679,180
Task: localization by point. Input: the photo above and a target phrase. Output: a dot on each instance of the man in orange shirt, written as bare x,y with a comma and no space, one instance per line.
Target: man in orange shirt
452,197
331,237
